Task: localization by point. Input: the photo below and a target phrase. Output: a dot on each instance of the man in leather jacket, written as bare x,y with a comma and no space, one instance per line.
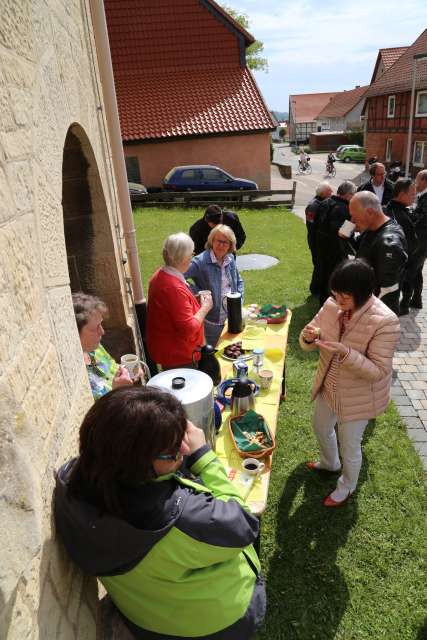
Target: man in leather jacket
420,217
382,245
331,247
214,215
397,209
323,191
378,183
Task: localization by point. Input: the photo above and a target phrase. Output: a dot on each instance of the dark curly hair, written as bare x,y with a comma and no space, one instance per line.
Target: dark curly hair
121,435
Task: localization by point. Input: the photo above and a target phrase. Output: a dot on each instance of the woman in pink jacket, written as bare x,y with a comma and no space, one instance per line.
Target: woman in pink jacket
356,335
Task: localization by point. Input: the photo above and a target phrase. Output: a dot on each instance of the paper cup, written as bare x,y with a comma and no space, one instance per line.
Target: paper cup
347,228
265,378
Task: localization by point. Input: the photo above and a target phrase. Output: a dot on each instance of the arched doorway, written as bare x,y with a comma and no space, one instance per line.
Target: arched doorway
91,253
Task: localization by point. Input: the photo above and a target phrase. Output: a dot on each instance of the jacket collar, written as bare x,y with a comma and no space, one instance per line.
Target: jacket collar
357,314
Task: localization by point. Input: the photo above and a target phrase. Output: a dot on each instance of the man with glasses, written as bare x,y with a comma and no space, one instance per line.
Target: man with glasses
378,183
213,216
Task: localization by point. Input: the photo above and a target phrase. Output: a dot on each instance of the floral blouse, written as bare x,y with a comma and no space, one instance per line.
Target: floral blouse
101,371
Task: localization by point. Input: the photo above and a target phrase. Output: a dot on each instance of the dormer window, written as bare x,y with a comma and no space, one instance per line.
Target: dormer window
421,108
391,106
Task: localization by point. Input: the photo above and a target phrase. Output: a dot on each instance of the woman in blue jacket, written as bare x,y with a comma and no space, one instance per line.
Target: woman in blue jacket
215,269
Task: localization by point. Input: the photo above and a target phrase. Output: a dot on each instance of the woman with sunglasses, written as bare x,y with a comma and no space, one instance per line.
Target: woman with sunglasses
173,548
215,270
356,335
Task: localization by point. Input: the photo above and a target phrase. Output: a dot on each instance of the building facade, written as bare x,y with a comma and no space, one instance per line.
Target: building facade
58,221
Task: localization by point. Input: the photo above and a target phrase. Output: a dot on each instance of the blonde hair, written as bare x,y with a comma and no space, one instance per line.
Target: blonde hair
227,232
177,247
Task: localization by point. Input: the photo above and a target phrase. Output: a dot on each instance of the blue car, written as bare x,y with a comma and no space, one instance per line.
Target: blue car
204,177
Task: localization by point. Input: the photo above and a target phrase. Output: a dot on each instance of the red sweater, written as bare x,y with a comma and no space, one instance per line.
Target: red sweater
172,331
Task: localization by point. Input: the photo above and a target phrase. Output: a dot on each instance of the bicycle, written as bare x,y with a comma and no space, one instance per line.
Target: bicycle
304,169
331,172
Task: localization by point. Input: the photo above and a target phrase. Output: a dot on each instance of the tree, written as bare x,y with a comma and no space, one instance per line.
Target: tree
254,58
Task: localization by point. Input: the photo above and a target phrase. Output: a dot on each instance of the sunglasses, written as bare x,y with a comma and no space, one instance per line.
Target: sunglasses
172,457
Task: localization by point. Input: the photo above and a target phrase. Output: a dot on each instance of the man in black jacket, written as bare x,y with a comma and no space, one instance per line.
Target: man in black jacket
382,245
214,215
397,209
331,247
378,183
323,191
420,217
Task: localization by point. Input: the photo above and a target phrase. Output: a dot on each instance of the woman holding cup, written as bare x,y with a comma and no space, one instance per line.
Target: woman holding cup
356,335
174,316
103,371
215,270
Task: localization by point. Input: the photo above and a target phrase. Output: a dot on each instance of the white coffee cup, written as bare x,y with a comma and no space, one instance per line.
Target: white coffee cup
132,363
265,378
347,228
252,466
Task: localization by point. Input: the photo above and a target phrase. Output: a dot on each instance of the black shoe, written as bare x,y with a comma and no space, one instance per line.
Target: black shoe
416,303
403,311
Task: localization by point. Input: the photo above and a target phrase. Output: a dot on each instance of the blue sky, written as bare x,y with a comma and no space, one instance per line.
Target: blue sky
315,46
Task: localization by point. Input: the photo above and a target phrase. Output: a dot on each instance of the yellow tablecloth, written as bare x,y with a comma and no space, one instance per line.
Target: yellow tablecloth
273,338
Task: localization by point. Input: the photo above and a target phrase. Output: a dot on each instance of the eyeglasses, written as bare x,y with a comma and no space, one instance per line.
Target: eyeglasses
223,242
172,457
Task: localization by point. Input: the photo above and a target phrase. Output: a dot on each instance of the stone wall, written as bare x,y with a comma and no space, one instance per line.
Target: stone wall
48,88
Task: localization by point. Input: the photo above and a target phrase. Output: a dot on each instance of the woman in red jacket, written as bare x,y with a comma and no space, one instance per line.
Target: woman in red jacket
174,317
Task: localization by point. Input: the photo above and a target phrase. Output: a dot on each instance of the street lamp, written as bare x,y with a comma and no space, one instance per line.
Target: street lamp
417,57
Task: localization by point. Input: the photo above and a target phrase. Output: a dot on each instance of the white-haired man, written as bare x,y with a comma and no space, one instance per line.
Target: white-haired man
382,245
323,191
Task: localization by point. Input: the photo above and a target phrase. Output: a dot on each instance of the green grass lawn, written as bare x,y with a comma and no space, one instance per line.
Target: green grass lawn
347,574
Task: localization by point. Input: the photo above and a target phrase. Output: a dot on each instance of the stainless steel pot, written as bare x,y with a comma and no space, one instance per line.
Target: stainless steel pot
194,389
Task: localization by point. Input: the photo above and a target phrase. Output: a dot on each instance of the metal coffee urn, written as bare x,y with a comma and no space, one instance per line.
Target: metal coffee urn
234,312
194,389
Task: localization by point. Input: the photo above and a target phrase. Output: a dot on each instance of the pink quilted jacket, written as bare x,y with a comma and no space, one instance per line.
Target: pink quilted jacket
364,377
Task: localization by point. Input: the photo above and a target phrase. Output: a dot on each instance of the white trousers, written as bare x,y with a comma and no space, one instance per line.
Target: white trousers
350,435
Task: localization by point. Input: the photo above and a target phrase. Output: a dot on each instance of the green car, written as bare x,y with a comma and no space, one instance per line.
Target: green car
353,154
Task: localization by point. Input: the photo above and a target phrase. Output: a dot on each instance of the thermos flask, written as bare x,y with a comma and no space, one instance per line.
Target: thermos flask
234,312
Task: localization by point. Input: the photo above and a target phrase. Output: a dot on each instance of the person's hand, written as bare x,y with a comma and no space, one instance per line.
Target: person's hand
332,347
194,437
206,301
310,333
122,378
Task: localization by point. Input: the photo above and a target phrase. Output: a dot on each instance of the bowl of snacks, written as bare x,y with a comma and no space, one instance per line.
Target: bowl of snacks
251,435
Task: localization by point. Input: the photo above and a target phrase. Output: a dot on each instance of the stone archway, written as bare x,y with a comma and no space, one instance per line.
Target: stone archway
91,255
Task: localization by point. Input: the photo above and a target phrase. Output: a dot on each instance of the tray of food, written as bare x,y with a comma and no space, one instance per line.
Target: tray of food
235,351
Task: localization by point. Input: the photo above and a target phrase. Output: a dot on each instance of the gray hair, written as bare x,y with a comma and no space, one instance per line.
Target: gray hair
321,187
177,247
85,305
368,200
346,187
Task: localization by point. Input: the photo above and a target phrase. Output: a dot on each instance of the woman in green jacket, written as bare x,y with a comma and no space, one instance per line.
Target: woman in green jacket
173,549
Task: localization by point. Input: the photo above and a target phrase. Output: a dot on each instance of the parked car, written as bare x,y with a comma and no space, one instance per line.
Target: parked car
137,191
353,154
204,177
342,148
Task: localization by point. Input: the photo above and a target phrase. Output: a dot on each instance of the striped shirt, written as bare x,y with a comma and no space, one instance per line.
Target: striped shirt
329,388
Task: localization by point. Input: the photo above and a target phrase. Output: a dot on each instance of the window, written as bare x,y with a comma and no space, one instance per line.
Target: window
388,148
418,157
391,106
421,108
132,169
189,174
213,175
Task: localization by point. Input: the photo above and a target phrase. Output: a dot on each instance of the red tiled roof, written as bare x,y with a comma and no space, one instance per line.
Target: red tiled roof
398,77
306,106
390,55
178,70
342,103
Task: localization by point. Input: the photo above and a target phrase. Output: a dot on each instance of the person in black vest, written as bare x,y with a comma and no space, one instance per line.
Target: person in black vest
397,209
382,245
214,215
378,183
420,217
331,247
323,191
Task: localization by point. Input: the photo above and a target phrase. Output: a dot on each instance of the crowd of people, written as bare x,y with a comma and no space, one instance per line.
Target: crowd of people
389,230
146,506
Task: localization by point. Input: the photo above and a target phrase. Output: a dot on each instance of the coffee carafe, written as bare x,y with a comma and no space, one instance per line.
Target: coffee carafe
208,363
242,397
234,312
